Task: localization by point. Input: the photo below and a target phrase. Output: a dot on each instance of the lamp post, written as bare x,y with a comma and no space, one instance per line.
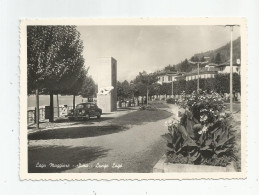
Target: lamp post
172,87
198,72
231,67
198,81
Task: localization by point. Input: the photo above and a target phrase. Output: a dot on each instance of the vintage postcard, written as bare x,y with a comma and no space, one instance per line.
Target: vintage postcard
138,99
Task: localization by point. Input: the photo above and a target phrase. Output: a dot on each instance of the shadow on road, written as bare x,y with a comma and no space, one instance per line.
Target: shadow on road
75,132
52,157
77,122
65,121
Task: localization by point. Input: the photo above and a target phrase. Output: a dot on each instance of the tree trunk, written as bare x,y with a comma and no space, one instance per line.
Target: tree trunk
51,116
74,101
37,110
147,96
57,105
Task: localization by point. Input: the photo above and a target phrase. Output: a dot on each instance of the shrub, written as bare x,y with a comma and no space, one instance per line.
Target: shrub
202,135
170,101
148,107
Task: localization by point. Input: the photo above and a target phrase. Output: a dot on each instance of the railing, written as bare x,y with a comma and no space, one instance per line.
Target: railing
31,114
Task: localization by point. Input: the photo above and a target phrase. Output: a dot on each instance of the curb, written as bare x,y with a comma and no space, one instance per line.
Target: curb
162,166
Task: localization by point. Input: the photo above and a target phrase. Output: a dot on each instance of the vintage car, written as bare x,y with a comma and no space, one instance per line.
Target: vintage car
84,111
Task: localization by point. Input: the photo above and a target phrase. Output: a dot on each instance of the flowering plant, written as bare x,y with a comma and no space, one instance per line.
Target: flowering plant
202,136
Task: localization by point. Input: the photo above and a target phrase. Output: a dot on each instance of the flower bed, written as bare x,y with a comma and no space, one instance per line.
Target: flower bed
202,135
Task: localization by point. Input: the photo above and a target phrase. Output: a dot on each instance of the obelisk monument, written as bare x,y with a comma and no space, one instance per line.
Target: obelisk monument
107,85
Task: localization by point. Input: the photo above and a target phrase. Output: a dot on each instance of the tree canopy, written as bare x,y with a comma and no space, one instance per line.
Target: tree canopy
54,58
89,87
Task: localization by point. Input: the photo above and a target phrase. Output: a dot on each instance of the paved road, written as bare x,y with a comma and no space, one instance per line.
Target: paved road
134,150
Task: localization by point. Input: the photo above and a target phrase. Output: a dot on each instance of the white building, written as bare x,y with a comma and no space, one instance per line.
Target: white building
225,68
167,77
204,73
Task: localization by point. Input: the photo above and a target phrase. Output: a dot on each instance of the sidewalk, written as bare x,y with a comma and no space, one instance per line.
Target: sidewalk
65,123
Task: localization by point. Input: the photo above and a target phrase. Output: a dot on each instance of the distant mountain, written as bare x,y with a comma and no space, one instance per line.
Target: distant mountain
224,52
217,56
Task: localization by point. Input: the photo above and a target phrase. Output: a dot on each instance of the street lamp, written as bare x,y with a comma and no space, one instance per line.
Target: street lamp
231,67
198,64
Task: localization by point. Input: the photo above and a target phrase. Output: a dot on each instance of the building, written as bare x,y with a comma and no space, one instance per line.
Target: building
204,73
225,67
167,76
209,71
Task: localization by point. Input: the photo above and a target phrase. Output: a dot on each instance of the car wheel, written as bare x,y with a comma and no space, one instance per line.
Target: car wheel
98,115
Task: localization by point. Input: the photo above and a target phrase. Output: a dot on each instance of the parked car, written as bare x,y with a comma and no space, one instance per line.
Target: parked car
84,111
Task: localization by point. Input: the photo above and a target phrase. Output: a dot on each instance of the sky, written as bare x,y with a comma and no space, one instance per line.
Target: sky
149,48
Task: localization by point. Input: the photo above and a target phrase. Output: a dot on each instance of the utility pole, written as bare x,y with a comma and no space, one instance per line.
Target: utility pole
231,69
37,110
172,87
198,81
198,72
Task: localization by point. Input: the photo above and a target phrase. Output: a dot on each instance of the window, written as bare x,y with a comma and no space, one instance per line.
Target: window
169,78
163,79
92,105
80,106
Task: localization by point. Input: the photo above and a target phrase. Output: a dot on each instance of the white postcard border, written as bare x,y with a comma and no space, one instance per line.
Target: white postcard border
24,175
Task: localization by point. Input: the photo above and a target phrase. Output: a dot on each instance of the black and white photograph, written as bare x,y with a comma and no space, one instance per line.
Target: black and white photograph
138,98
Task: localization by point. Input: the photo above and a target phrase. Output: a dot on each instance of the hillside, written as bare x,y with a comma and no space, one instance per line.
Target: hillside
217,56
224,52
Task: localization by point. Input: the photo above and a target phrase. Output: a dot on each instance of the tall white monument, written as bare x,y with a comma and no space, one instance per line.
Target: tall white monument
107,85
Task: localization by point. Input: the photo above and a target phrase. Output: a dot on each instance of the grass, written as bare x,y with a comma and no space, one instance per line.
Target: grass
158,104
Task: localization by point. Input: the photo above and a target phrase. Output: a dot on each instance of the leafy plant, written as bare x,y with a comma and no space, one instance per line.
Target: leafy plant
202,135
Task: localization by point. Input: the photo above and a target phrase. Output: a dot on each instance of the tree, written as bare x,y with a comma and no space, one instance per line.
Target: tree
124,90
166,89
77,87
185,66
195,59
119,91
155,89
54,59
147,80
179,86
222,82
218,58
88,88
170,68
